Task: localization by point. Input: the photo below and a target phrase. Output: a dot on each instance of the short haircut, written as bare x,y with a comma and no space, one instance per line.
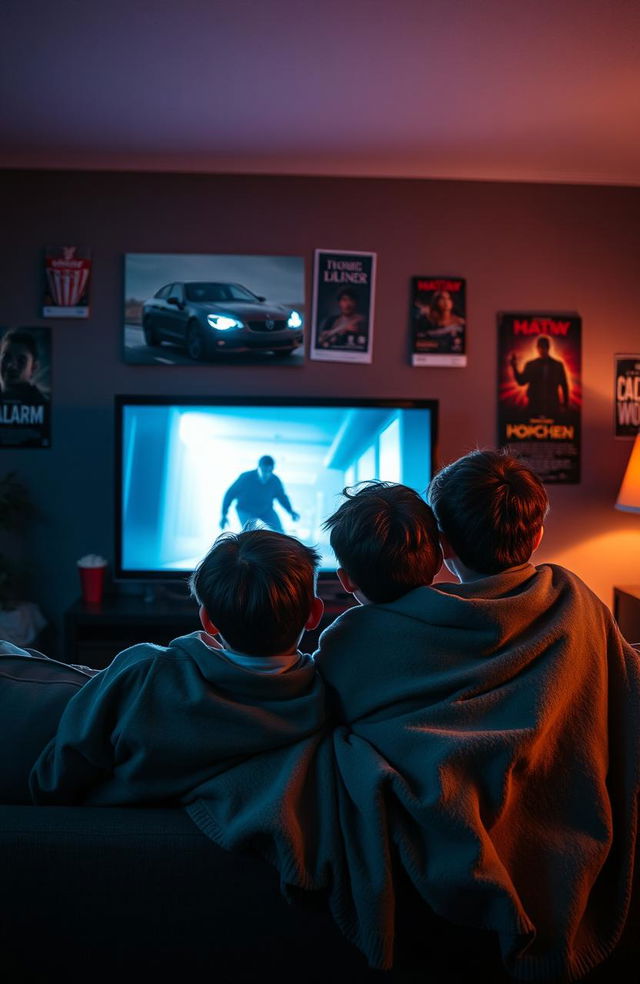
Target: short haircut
257,588
20,338
347,292
386,539
267,460
491,508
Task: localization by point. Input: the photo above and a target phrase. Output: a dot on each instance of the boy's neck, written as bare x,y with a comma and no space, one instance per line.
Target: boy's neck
285,654
465,574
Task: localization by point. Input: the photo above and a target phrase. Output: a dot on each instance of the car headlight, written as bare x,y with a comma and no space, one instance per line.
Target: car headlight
222,322
295,320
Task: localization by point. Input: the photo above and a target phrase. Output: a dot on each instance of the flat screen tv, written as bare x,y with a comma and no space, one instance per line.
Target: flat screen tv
179,461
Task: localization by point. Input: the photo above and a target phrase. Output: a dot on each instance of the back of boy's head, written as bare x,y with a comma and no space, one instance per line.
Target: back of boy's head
385,538
491,508
257,588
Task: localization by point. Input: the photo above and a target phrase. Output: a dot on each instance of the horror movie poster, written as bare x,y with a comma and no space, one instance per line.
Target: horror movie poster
438,321
67,273
343,304
627,395
25,387
540,392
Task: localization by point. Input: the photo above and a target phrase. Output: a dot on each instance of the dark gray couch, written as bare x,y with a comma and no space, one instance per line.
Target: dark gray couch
118,895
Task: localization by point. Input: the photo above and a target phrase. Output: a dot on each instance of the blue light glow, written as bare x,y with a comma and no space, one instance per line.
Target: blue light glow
179,461
295,321
222,322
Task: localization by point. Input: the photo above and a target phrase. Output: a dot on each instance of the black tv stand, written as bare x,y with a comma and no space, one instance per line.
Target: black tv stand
94,634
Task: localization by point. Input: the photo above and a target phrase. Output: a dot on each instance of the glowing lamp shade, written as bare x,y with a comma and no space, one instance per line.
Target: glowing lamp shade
629,494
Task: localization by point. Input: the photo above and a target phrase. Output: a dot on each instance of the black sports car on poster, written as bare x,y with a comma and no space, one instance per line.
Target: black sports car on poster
210,318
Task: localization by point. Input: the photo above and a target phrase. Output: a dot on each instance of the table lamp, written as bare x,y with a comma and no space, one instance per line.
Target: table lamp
629,494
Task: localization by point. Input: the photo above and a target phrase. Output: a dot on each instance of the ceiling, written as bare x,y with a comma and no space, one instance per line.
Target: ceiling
542,90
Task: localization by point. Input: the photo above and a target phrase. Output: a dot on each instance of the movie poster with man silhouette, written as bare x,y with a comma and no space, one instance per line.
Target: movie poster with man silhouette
25,387
343,305
540,392
438,319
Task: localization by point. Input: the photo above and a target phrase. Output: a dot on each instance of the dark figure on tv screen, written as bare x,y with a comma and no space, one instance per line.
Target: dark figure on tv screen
254,492
546,379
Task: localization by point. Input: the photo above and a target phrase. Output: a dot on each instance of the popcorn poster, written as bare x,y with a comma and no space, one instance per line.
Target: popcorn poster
67,278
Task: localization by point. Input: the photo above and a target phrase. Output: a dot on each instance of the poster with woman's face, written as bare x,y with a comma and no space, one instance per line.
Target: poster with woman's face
438,321
343,304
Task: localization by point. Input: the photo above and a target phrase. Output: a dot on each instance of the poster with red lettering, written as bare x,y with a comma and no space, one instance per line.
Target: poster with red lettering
343,304
540,392
438,321
67,277
627,395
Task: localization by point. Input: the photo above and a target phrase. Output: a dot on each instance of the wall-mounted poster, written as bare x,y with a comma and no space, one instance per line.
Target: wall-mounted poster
25,387
182,309
540,392
627,394
67,273
343,305
438,321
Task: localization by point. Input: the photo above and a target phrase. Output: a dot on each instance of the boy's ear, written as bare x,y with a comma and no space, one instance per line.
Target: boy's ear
316,613
538,540
206,622
346,581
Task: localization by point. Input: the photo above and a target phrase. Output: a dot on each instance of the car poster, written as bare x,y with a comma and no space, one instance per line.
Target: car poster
189,309
25,387
67,279
627,395
438,321
540,392
343,306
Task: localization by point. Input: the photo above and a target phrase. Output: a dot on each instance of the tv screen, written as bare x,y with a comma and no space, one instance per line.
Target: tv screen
188,467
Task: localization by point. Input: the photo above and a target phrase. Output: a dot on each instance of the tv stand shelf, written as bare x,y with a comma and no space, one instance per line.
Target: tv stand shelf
94,634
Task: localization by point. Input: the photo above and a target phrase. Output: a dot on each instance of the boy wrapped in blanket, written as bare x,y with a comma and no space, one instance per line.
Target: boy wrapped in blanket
505,709
160,721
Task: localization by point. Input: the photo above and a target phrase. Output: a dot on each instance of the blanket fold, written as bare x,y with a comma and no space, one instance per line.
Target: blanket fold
489,745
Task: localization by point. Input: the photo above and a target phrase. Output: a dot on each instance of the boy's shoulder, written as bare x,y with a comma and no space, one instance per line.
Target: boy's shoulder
146,654
362,623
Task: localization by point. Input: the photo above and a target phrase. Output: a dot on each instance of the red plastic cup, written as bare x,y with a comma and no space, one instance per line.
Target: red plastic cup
92,582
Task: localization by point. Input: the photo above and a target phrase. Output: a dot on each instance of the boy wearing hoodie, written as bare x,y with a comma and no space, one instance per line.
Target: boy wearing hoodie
160,721
501,713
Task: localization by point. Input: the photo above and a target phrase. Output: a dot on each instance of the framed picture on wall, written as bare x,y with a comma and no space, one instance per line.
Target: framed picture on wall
185,309
67,280
25,387
438,321
540,392
343,306
627,395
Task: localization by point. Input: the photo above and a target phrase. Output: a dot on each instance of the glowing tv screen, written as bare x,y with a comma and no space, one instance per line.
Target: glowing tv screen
182,464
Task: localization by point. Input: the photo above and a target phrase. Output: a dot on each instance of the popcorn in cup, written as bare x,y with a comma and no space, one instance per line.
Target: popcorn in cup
92,568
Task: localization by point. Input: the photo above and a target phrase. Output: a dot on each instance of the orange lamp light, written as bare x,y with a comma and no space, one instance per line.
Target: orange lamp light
629,494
